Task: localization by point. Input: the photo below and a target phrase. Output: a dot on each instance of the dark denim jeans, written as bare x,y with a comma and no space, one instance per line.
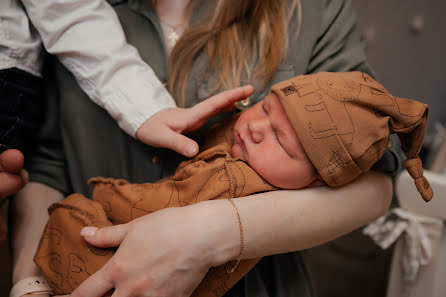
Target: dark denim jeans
21,107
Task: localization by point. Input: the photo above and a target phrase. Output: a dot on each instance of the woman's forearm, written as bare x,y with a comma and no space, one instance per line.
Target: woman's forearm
284,221
29,215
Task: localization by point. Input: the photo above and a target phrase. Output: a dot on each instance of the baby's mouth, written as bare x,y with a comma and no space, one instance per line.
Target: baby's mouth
239,140
240,152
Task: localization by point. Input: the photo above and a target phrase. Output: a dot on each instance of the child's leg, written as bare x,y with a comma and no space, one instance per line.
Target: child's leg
21,103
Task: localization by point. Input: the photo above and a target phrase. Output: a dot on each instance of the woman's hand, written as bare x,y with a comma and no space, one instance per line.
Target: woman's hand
166,253
164,128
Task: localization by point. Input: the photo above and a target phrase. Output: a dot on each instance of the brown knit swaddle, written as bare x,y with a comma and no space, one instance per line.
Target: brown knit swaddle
66,260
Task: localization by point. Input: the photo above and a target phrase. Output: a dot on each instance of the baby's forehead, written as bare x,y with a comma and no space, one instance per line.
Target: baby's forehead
274,100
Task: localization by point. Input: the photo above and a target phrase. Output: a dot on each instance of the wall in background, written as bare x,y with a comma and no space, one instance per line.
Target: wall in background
406,45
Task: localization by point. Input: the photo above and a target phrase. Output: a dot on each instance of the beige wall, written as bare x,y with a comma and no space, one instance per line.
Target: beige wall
409,62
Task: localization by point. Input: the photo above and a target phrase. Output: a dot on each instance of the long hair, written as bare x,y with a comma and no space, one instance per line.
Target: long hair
248,37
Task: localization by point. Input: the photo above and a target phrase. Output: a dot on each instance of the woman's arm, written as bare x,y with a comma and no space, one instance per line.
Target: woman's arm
29,215
284,221
176,246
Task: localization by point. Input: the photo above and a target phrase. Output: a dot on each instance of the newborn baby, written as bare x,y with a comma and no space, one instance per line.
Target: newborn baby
325,128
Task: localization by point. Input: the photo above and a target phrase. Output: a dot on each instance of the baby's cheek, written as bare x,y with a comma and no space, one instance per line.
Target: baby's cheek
293,177
272,174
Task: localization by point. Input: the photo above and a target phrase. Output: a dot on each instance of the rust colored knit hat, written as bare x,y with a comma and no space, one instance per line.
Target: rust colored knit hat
344,120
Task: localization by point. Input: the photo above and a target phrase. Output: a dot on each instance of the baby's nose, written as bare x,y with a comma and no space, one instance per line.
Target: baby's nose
258,129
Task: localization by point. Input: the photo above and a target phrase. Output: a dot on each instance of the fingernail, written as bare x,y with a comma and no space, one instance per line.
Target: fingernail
190,150
88,231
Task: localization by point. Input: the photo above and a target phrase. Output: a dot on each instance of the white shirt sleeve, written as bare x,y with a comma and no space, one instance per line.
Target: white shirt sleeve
20,45
88,39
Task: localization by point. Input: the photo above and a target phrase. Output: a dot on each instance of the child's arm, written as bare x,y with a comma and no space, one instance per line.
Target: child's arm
171,122
88,39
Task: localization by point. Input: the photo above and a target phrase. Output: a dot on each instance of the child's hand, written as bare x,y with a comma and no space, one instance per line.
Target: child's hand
164,128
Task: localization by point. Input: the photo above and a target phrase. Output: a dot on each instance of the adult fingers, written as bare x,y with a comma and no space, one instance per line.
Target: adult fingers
10,184
11,161
95,286
105,237
220,102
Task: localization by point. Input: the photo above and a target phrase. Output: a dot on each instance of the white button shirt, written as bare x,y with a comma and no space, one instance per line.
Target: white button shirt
89,41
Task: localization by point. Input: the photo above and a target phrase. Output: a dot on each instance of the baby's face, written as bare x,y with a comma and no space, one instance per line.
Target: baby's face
264,137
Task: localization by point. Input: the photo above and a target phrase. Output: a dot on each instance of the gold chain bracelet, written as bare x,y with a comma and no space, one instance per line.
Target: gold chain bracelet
242,240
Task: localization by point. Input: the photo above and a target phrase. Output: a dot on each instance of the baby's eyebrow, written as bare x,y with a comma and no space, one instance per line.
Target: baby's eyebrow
266,105
276,119
275,124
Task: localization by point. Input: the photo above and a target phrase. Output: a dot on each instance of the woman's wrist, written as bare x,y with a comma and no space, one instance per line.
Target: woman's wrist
221,232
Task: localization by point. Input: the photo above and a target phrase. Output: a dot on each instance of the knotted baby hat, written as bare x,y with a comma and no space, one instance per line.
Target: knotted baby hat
344,121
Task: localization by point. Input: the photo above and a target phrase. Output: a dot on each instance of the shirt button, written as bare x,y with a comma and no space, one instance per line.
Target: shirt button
155,159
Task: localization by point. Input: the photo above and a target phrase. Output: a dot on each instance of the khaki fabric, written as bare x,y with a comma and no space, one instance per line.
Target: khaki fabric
66,260
344,120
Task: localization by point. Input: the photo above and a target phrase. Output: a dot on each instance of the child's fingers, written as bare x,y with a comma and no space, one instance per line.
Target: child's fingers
220,102
178,142
11,161
165,136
